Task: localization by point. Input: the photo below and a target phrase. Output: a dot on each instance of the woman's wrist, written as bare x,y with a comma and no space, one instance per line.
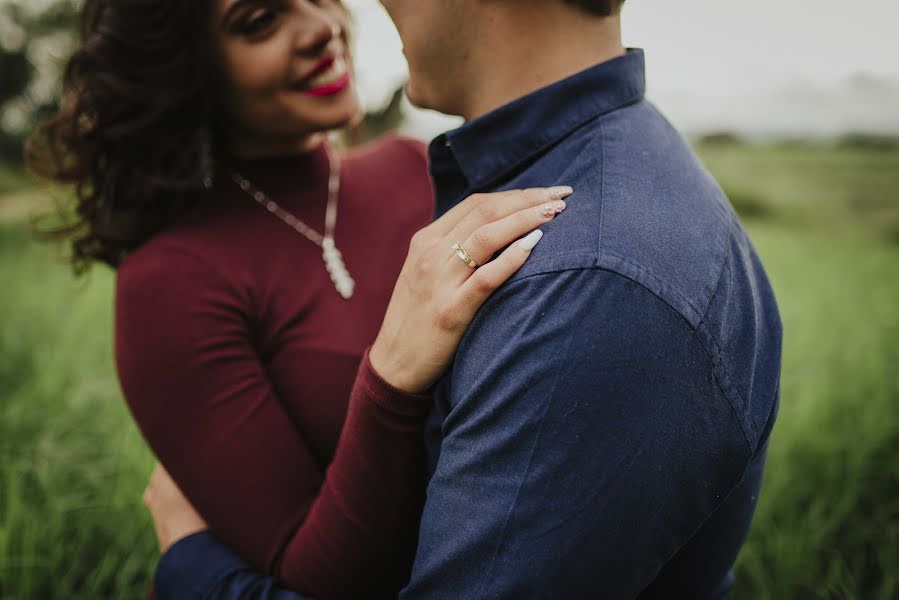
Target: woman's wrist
393,371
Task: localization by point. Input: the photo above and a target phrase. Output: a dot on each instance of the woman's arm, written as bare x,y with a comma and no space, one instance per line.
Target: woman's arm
360,518
210,413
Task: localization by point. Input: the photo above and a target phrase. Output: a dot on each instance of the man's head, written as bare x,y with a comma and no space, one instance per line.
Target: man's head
460,50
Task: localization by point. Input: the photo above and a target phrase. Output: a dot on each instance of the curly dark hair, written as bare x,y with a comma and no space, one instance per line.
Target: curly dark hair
601,8
135,132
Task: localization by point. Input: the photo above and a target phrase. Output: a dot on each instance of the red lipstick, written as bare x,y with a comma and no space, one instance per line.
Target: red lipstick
331,88
331,74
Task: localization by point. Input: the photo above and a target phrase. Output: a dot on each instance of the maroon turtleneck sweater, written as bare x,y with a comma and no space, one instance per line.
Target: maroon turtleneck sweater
245,369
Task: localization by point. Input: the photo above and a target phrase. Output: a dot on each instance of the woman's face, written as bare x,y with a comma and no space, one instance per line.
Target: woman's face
285,71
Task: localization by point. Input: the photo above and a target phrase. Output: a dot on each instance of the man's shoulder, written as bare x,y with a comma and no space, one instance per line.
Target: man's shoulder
644,207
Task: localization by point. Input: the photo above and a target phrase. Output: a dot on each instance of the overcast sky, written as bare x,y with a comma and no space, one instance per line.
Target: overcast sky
816,66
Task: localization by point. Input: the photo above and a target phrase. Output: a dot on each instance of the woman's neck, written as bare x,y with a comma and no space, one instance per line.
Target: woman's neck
248,147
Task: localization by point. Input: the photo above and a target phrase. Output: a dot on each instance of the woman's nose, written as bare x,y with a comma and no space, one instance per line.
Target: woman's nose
319,29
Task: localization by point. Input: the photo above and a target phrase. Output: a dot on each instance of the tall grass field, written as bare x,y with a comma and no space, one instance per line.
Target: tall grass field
825,220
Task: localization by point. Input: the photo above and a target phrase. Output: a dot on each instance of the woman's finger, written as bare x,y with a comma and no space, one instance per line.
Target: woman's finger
487,240
488,278
479,209
499,206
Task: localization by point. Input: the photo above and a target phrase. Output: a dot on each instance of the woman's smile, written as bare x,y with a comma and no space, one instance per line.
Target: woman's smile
331,76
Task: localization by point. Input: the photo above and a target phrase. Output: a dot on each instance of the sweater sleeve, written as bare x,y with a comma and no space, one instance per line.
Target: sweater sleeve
203,401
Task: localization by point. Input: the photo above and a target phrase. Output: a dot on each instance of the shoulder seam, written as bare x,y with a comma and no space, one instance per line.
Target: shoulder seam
615,264
719,371
722,374
602,184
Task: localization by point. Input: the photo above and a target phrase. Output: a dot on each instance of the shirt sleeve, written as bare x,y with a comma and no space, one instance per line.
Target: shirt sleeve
584,441
200,567
204,403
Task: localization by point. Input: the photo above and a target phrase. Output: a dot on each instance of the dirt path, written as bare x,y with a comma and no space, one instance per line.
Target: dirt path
17,206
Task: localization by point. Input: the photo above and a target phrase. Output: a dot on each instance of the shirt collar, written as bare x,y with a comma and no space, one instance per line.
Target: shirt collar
491,146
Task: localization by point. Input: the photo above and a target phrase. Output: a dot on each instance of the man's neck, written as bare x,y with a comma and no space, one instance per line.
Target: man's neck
525,51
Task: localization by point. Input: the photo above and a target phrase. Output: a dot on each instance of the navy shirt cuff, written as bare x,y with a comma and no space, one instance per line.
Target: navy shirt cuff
193,566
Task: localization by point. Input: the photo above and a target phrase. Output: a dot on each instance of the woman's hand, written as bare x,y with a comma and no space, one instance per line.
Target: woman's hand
437,293
173,515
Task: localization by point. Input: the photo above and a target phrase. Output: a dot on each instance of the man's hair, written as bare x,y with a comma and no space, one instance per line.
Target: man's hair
601,8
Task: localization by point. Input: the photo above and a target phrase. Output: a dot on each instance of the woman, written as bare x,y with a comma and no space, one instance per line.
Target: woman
195,133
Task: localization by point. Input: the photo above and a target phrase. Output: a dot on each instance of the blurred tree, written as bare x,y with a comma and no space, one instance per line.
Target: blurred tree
868,141
720,138
15,73
35,39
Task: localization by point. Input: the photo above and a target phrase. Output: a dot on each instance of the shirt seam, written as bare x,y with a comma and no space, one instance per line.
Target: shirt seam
699,331
602,183
541,145
659,282
722,374
597,262
737,415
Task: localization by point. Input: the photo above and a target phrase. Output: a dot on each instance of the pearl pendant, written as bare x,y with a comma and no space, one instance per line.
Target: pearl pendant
340,276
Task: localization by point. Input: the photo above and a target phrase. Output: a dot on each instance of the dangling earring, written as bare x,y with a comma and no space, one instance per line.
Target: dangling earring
207,165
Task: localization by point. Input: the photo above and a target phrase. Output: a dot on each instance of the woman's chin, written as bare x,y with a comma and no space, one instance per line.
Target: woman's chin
338,115
346,119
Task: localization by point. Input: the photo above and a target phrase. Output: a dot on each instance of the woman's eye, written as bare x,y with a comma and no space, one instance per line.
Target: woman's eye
258,23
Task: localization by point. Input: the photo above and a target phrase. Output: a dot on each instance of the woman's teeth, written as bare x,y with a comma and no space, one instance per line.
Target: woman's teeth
337,70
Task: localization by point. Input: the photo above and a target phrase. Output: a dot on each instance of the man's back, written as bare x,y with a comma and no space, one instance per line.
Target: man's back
603,428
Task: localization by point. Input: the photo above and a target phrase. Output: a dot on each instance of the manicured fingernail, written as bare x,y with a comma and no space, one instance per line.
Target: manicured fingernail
551,209
559,192
528,242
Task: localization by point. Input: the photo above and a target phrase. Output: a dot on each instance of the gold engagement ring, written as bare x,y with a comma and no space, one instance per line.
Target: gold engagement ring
459,251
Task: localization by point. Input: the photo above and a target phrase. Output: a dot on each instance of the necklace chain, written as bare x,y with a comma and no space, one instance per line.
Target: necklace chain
332,257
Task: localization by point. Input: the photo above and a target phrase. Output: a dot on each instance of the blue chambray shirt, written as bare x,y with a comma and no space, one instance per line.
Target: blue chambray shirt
602,431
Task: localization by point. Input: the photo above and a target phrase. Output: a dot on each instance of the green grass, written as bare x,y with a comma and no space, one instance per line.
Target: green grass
828,519
814,186
826,222
72,464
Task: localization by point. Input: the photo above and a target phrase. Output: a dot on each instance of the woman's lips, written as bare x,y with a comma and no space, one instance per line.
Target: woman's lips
331,77
321,67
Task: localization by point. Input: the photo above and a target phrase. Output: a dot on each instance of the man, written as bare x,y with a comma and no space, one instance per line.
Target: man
602,432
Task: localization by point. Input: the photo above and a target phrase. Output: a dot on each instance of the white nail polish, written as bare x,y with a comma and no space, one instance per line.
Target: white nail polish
528,242
551,209
559,192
